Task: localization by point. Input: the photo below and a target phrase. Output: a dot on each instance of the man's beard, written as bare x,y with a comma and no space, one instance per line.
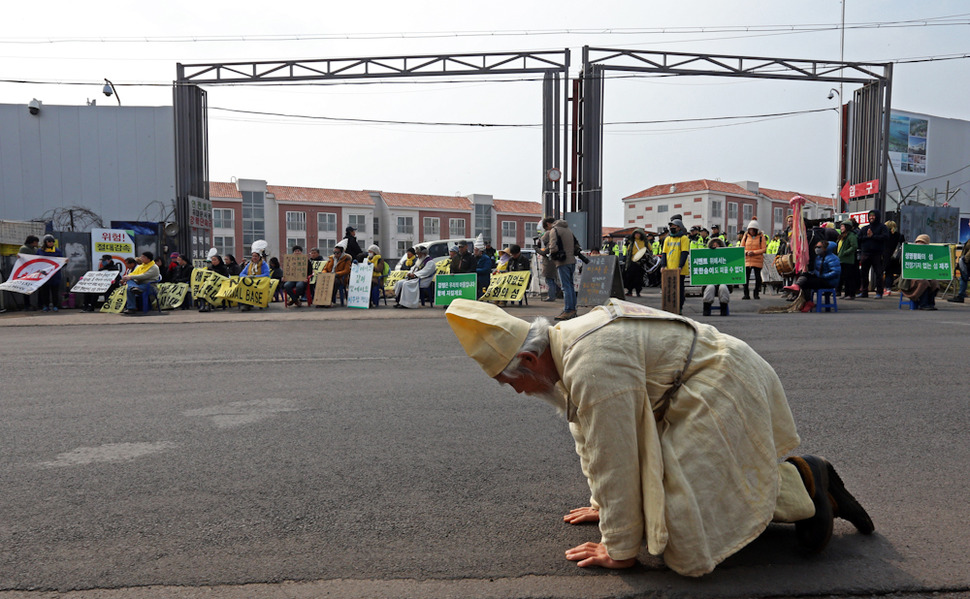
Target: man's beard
553,397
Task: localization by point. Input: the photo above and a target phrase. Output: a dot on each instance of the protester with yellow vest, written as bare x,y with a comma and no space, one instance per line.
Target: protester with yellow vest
676,251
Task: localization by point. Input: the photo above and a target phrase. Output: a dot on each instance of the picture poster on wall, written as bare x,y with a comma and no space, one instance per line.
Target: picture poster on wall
908,136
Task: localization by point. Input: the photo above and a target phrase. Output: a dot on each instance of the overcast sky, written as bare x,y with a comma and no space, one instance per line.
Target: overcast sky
87,42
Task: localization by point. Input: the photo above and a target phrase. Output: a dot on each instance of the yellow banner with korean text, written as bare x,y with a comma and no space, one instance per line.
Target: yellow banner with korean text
206,284
507,286
254,291
392,278
116,301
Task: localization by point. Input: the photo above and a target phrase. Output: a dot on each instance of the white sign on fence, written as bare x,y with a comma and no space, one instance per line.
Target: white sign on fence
30,272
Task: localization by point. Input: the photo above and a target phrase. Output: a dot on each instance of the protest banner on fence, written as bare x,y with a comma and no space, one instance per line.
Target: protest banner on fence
116,301
323,292
254,291
30,272
392,278
507,286
171,295
294,267
117,243
929,262
95,281
718,266
206,285
358,290
448,288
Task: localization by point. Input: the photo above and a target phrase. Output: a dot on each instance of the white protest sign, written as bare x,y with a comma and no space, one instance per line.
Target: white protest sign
358,291
95,281
30,272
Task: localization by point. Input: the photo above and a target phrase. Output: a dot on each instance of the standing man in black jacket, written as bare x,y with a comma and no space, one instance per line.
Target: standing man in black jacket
872,244
353,249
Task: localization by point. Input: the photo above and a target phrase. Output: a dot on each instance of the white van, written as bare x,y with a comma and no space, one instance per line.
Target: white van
436,249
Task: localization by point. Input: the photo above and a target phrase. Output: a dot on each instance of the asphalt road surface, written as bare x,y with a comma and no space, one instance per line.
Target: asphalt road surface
312,455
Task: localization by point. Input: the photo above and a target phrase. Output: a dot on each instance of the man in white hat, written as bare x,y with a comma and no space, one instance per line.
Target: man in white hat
679,429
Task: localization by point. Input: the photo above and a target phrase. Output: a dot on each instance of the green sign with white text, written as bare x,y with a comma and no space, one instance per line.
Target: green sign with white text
720,266
929,262
448,288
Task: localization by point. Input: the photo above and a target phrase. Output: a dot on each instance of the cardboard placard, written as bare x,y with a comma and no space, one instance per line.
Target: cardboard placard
670,290
294,267
600,281
323,292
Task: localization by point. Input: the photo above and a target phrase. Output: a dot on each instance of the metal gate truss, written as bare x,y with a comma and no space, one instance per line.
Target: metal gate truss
493,63
757,67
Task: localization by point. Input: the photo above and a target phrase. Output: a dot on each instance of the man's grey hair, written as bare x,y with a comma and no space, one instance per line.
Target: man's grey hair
537,342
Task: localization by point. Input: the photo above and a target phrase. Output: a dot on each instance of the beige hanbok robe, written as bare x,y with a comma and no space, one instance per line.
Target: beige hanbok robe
702,482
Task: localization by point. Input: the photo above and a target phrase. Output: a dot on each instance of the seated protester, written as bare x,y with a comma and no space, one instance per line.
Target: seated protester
232,265
219,267
256,267
293,290
407,291
173,265
107,263
409,259
963,265
921,293
483,267
162,269
276,272
311,287
503,260
824,274
463,261
517,261
183,274
374,257
140,280
723,291
339,264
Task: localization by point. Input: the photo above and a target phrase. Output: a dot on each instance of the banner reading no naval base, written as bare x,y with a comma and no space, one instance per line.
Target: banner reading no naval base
30,272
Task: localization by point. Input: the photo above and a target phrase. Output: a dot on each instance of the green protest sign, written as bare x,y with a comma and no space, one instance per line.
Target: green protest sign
720,266
451,287
929,262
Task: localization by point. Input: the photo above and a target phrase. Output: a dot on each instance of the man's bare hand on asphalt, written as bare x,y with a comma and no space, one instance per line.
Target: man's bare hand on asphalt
594,554
582,514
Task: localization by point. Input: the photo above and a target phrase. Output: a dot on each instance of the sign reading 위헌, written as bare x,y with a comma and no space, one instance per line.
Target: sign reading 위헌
927,262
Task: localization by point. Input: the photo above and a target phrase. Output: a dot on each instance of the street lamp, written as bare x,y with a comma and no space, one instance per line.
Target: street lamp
838,155
109,88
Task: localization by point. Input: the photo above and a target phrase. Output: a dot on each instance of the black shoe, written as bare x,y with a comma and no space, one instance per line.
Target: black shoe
814,533
707,309
846,506
131,312
548,299
956,300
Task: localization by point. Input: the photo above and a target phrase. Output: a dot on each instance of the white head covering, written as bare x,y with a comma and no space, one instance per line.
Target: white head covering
374,248
213,252
259,247
754,225
480,242
342,244
487,333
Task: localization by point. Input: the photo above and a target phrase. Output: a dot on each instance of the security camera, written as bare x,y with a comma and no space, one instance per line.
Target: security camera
831,95
34,107
107,89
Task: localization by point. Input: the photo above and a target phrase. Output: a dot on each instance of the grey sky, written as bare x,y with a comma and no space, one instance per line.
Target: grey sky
788,153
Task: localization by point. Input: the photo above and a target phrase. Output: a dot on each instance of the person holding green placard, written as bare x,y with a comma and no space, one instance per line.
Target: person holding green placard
723,292
921,292
963,264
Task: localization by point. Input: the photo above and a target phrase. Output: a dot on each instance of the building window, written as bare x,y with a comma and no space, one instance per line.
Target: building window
377,226
716,209
778,216
292,241
483,220
222,218
531,231
747,210
402,247
456,227
295,221
508,230
432,228
253,217
662,208
732,221
326,223
405,226
224,244
326,246
359,222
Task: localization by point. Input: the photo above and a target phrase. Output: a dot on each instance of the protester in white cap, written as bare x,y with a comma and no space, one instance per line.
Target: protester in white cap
339,263
755,244
679,429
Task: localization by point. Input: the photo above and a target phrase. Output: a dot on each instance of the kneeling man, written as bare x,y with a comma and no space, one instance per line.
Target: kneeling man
679,430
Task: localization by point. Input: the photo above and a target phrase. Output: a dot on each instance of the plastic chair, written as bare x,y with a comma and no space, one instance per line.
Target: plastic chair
820,294
903,299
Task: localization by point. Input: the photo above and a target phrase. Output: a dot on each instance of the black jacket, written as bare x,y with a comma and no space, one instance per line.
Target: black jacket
875,243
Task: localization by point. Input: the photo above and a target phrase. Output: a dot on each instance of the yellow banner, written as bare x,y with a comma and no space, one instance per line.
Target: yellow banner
443,267
116,302
507,286
171,295
392,278
255,291
206,284
317,269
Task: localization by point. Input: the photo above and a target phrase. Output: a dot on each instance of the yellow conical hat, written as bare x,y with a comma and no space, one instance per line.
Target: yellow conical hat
487,333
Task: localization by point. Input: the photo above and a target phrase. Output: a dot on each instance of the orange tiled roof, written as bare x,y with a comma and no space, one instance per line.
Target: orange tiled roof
219,189
285,193
607,231
691,187
517,207
417,200
784,196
